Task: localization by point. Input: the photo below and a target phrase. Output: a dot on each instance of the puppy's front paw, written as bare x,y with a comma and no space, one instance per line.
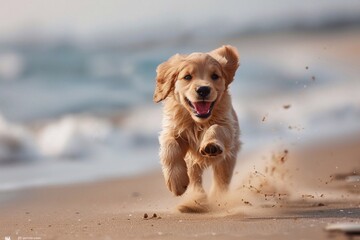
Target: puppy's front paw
177,180
211,150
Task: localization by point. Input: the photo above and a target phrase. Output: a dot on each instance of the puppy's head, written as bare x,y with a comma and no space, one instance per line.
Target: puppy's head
197,81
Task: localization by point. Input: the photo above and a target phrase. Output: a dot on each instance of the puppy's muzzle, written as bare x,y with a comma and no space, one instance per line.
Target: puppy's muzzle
203,91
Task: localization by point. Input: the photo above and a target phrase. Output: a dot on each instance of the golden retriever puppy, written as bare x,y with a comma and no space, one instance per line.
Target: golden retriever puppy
200,126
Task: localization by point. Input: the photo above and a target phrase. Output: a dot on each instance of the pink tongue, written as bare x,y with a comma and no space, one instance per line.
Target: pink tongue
202,107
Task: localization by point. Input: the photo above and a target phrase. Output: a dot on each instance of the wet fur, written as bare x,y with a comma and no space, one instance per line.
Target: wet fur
189,144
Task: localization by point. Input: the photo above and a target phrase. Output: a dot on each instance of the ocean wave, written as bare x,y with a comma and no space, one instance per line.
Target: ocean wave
80,136
78,147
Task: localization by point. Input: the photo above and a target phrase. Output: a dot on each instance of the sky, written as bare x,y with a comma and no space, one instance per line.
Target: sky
91,18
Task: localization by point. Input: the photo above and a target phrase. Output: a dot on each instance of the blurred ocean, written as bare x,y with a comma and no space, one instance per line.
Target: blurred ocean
75,111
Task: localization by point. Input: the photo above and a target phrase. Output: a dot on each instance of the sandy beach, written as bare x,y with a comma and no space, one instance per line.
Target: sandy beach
316,196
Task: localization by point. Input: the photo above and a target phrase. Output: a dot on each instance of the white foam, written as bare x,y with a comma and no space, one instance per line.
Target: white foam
72,136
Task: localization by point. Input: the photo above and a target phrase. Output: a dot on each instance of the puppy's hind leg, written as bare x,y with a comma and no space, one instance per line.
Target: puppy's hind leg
222,171
196,201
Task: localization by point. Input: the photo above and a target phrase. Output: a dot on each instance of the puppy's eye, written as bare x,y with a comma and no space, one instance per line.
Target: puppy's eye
188,77
214,76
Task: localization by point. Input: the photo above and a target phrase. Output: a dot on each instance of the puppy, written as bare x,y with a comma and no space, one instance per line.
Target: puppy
200,126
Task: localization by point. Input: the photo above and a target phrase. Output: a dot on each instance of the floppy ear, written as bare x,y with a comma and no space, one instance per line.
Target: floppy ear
166,76
228,57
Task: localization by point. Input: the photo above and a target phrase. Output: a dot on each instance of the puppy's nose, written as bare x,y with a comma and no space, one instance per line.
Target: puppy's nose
203,91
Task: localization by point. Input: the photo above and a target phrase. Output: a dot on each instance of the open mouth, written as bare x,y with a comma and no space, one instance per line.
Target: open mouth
201,109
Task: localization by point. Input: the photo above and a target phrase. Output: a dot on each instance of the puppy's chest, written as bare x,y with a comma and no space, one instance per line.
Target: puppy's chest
194,136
